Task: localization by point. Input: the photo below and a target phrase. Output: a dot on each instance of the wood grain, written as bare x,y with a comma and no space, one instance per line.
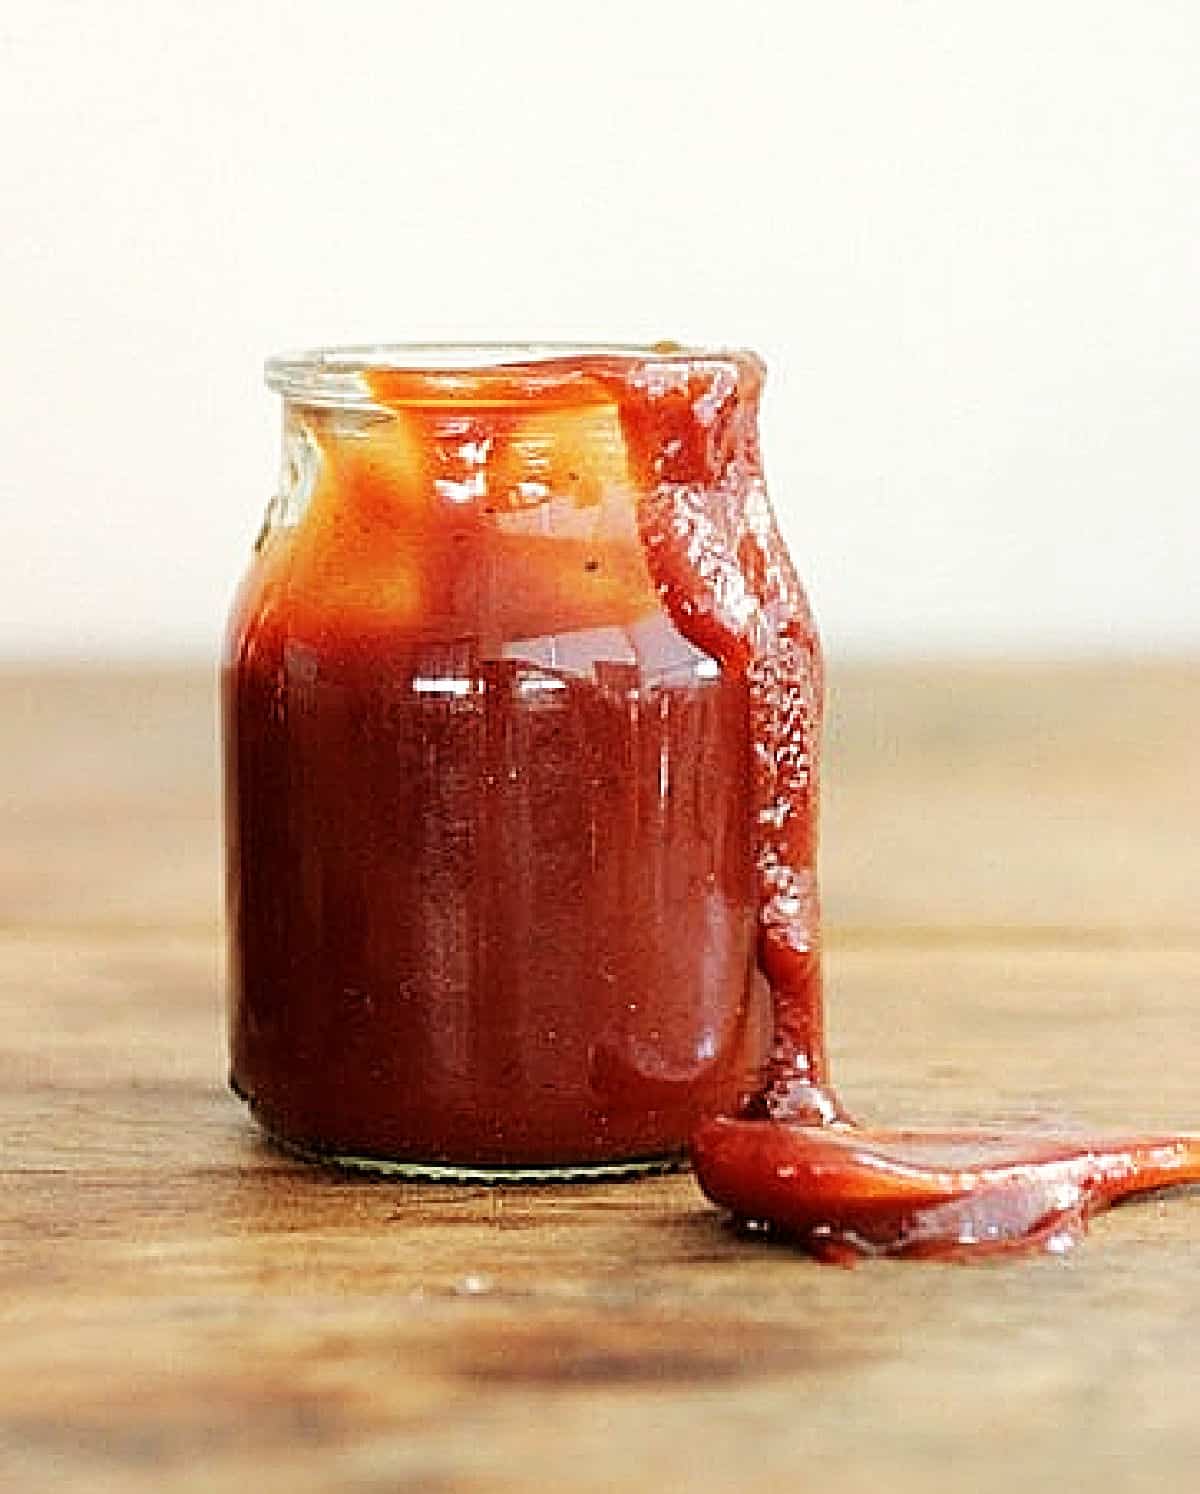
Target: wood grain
1011,863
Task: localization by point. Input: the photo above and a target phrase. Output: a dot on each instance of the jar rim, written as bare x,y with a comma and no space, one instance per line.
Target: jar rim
501,371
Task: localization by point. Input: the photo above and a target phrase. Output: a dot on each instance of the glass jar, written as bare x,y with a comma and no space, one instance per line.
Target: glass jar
498,880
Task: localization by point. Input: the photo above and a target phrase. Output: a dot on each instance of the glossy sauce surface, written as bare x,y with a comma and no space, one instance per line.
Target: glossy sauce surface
843,1192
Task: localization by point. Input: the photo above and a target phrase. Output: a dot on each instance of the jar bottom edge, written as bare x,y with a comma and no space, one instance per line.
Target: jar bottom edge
414,1170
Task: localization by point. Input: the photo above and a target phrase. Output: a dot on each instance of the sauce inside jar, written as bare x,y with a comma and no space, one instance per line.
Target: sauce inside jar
493,889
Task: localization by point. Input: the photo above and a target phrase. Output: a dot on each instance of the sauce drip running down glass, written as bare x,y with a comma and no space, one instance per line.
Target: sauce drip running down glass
793,1161
444,1001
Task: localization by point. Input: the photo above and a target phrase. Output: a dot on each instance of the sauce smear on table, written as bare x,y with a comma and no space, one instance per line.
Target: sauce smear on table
793,1162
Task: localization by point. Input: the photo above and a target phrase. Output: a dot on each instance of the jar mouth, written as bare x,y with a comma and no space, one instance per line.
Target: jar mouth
501,373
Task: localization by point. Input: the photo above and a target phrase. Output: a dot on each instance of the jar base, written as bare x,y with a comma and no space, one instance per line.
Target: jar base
416,1171
487,1177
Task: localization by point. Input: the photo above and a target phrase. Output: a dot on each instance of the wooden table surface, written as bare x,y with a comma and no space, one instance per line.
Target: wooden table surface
1011,864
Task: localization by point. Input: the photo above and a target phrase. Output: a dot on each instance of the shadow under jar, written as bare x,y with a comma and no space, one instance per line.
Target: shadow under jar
494,904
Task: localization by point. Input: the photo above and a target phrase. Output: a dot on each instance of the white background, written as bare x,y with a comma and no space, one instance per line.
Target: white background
965,235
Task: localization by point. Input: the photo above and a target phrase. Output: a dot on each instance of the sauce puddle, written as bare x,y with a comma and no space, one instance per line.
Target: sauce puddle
794,1162
846,1192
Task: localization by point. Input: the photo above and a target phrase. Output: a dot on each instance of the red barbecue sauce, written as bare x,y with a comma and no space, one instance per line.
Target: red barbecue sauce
493,900
625,1033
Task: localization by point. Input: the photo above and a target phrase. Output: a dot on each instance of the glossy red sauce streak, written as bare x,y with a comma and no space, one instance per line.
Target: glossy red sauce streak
845,1193
722,569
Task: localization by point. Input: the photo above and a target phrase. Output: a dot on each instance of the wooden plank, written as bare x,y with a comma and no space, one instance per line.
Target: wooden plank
1013,796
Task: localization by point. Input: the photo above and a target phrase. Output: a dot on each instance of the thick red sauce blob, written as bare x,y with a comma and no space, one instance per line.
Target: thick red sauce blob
494,1024
844,1192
